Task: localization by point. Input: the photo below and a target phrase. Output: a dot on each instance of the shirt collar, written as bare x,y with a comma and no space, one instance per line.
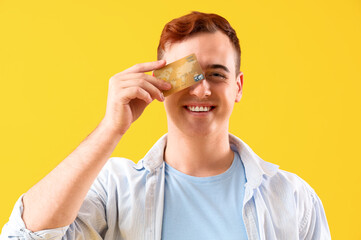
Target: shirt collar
154,157
255,167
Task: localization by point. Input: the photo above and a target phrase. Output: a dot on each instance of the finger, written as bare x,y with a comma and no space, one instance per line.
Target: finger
137,92
159,83
147,86
145,67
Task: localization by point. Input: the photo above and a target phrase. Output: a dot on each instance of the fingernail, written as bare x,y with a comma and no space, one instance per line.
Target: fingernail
167,84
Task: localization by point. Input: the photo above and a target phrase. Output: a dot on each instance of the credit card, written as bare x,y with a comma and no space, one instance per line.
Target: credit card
181,74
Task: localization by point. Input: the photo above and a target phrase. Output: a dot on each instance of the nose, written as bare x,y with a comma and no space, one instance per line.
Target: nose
201,89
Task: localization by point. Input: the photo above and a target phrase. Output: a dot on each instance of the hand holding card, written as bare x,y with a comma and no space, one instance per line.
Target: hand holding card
181,74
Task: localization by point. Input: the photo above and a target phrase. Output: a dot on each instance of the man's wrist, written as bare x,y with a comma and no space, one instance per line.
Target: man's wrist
109,129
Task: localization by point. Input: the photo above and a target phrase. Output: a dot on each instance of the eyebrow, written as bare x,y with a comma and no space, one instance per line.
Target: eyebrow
218,66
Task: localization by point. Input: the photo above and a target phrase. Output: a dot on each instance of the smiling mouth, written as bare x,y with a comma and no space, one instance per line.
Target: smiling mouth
199,109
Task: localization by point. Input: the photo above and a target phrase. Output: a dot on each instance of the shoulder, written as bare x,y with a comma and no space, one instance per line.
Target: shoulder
117,167
118,163
289,189
290,183
117,178
311,215
118,173
299,184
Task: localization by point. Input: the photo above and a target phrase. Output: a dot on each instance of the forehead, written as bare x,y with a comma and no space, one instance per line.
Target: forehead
210,48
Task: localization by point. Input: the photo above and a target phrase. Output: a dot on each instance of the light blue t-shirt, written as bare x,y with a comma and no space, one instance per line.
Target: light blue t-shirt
204,207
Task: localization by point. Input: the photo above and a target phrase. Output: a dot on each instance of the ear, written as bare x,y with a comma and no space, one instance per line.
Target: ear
239,82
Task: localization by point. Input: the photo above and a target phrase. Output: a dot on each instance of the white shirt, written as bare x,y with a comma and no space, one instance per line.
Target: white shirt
126,202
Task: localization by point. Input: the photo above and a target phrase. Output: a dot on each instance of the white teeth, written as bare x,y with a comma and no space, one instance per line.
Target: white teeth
198,109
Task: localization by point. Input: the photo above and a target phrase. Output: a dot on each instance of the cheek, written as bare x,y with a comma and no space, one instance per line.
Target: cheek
170,104
228,90
233,90
167,105
229,95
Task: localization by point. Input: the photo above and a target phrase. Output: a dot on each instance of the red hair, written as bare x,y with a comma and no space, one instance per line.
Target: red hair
183,27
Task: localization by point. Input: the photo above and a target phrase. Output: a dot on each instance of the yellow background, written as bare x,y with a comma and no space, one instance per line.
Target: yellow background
300,107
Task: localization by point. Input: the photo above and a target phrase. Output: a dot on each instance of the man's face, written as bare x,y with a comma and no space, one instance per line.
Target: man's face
216,94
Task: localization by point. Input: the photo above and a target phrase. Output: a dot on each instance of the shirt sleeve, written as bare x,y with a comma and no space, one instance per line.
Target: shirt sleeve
313,224
89,224
15,227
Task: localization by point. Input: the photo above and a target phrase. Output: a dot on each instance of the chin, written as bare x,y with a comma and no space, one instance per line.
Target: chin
198,131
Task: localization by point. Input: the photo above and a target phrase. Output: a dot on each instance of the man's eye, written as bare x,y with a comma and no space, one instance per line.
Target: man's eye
216,76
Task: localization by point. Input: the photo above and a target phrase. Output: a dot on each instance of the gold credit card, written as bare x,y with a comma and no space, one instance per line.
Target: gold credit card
181,74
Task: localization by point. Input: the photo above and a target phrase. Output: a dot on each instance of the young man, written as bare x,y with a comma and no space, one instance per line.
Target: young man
197,182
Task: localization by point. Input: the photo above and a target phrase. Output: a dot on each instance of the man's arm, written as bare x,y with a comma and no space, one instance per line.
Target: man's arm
55,200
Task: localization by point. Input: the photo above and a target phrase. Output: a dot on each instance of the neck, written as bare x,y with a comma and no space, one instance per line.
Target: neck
200,156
